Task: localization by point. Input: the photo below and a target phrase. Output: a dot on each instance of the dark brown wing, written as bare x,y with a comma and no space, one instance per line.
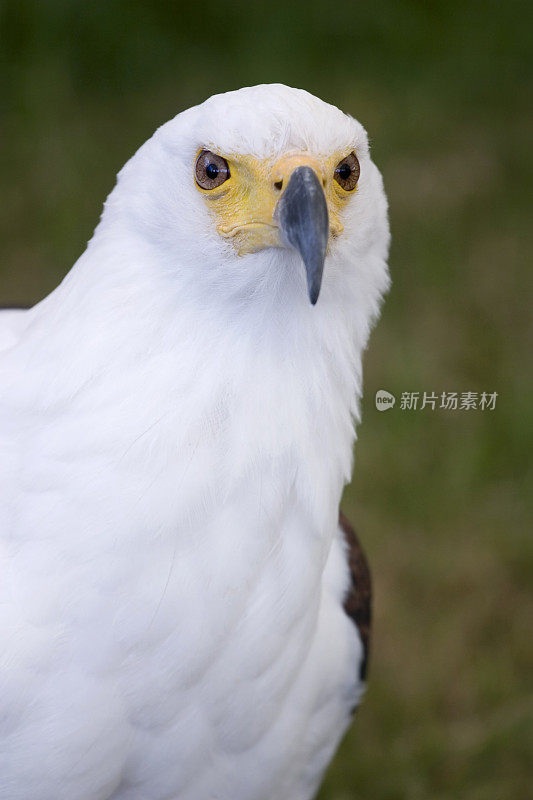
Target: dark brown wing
358,602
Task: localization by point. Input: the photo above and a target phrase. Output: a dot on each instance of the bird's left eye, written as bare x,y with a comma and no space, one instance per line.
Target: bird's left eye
347,172
211,170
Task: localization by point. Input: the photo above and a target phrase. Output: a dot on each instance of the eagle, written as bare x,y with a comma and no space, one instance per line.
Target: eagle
183,613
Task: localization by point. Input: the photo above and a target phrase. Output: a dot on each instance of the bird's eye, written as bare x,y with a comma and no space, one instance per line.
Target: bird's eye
347,172
211,170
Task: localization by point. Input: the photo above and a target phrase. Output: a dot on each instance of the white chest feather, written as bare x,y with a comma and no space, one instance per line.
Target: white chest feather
167,571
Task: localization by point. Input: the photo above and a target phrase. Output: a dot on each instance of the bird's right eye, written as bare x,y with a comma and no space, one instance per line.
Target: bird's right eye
211,170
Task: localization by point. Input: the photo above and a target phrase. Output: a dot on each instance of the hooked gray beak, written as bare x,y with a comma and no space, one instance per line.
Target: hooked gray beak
304,222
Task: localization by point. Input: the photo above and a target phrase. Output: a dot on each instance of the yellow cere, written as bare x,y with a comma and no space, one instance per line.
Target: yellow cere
244,206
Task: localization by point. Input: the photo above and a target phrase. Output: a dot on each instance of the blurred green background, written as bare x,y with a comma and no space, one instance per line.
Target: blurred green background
442,499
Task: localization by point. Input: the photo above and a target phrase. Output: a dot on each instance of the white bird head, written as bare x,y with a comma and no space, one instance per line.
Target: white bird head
265,194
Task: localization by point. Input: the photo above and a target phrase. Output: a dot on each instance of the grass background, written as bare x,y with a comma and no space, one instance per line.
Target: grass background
442,500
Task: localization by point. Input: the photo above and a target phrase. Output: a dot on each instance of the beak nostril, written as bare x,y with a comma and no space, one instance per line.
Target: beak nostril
278,185
324,182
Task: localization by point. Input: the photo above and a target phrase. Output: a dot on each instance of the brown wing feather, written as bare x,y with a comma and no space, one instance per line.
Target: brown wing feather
358,602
